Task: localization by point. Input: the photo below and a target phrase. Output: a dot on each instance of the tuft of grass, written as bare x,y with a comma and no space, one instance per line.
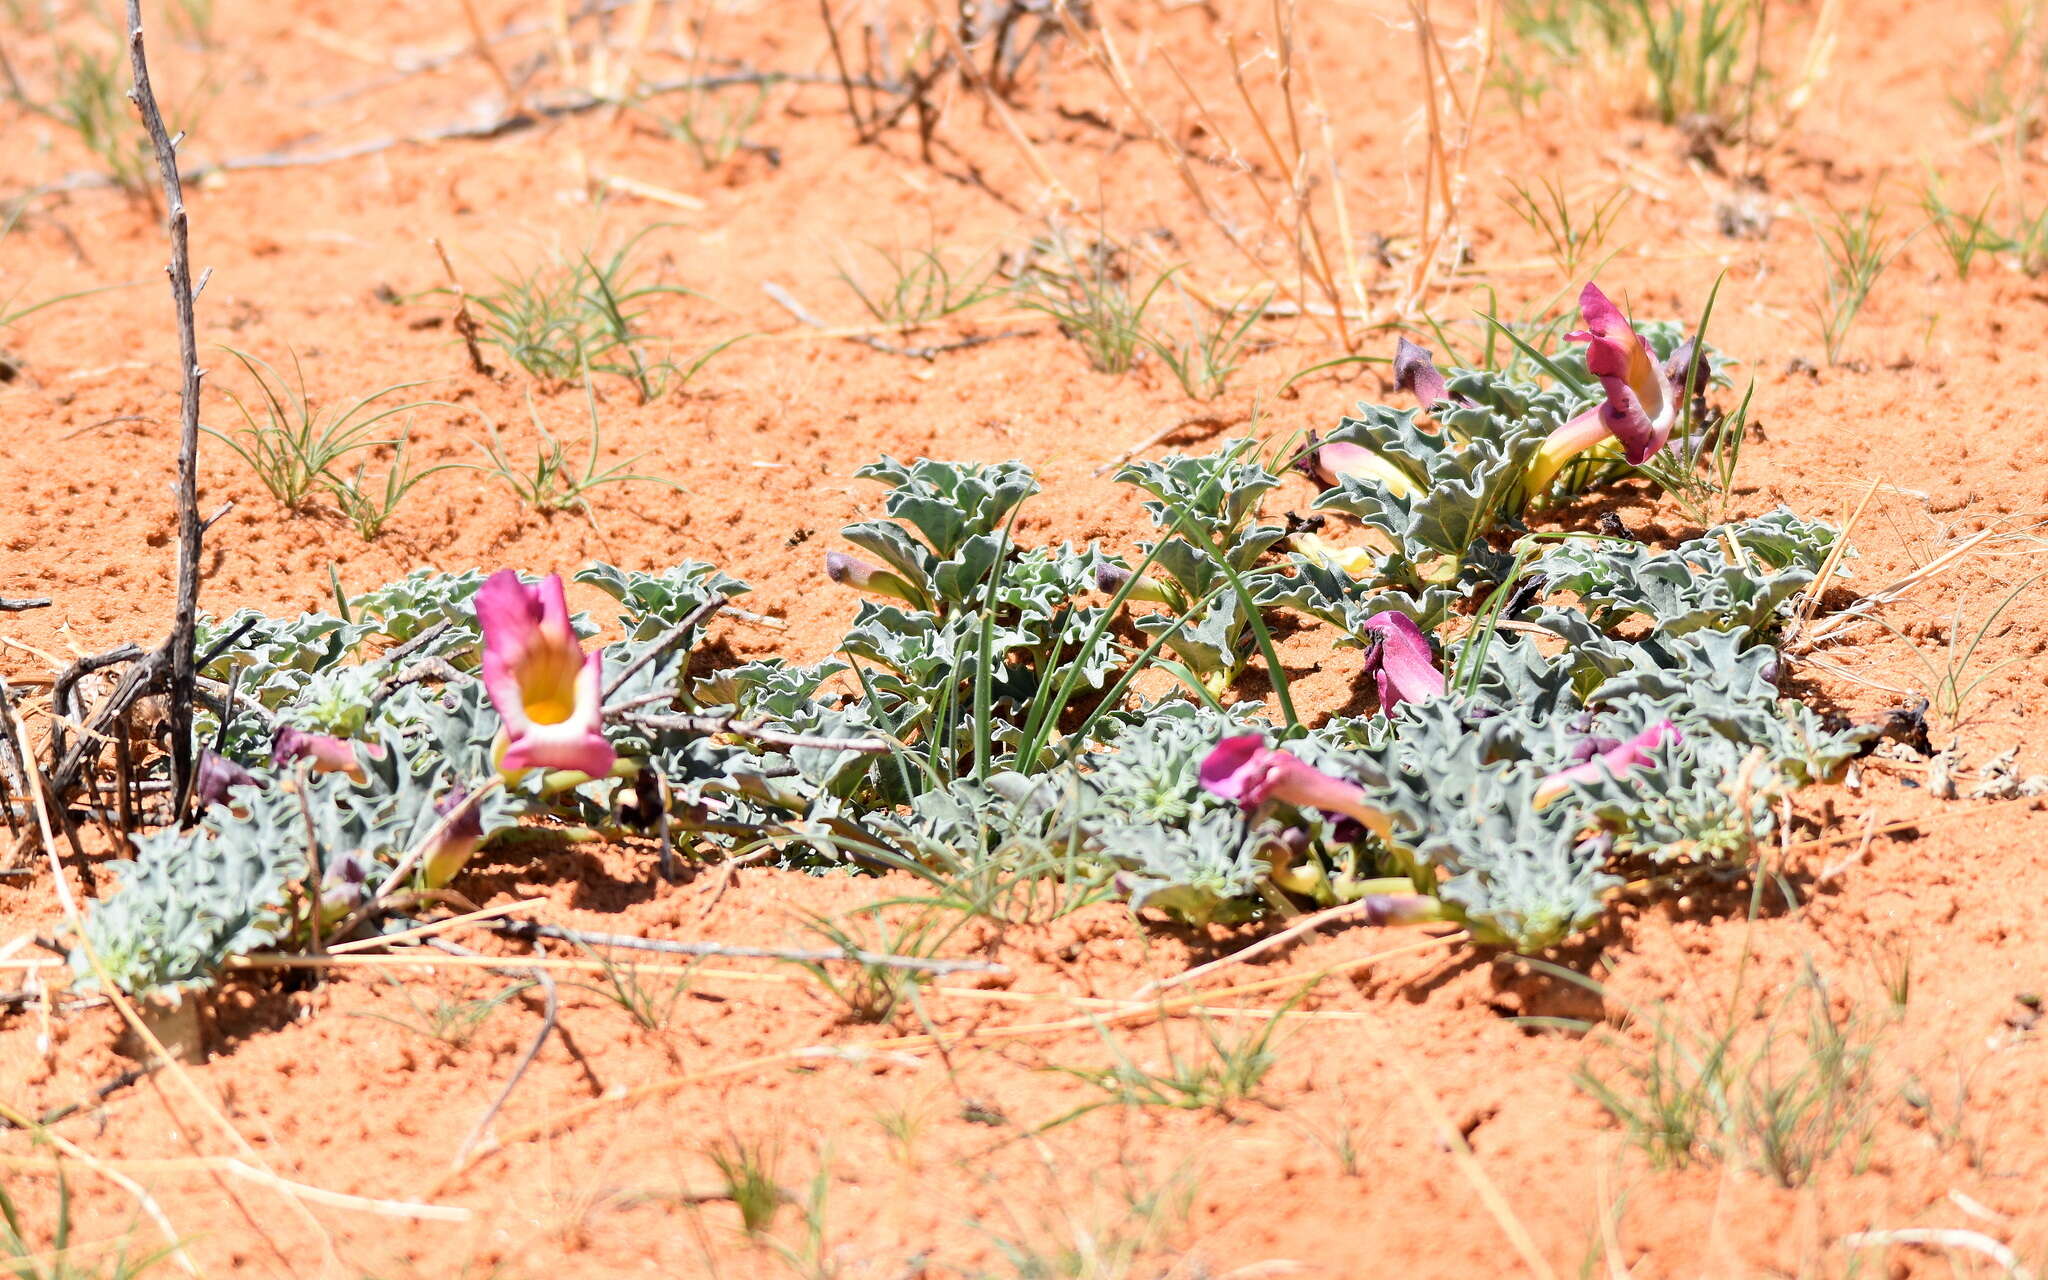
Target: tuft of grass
1781,1101
1096,1233
369,506
1700,467
294,445
1857,249
1214,349
1572,234
64,1259
1091,295
877,992
748,1172
713,129
1962,237
576,316
552,481
1222,1071
2003,95
1690,52
1952,685
918,287
653,1006
452,1022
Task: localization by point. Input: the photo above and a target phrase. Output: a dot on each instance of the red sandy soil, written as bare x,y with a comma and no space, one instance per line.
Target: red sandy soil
1411,1125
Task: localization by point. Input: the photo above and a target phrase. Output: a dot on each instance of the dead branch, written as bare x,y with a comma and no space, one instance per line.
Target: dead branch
19,605
185,619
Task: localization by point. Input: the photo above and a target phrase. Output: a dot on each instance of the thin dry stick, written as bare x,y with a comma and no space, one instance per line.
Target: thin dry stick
529,931
481,46
435,928
465,323
1306,925
238,1168
540,1037
1833,561
185,619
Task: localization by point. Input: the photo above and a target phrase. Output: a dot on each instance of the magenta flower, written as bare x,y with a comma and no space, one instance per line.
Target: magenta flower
452,845
1245,770
1400,660
1642,396
546,689
1614,761
328,753
1641,403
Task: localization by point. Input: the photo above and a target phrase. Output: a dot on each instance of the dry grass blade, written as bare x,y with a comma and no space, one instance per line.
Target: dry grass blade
1835,624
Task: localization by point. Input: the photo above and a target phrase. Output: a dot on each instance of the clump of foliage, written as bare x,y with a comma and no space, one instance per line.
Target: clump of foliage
1548,715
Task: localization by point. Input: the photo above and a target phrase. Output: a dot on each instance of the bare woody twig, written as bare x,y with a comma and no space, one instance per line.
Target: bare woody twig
19,605
185,619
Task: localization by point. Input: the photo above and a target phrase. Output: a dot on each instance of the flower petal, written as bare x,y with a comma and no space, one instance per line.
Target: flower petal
1614,761
1402,662
1641,405
1227,770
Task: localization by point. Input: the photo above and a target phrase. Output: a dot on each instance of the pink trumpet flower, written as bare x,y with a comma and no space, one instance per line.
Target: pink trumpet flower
328,753
1642,395
546,689
1400,660
1614,761
1245,770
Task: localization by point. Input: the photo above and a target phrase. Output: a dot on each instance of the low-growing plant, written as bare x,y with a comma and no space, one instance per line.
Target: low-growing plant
1225,1069
291,441
551,481
871,990
1214,348
369,506
452,1022
1780,1100
650,1004
1856,249
916,287
1572,233
1691,52
712,128
748,1170
1962,236
1090,293
1953,682
581,315
66,1259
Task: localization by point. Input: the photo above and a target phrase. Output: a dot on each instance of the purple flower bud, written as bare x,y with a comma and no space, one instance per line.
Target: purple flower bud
453,844
342,886
1614,761
1415,372
328,753
1110,579
1402,908
216,775
852,571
